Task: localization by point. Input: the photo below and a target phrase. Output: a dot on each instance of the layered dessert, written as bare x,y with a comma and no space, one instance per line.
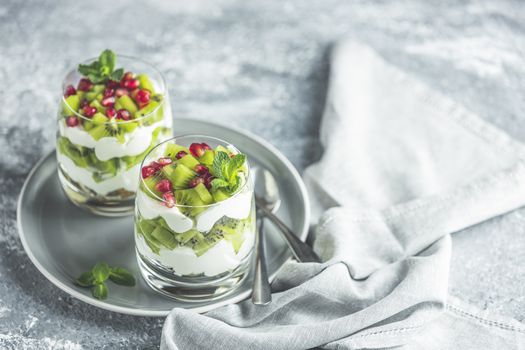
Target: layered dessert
195,216
108,121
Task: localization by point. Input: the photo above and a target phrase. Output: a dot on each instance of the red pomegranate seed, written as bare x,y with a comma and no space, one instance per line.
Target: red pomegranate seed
164,186
205,146
121,92
169,199
89,111
130,84
147,171
195,181
201,169
108,92
70,90
155,165
127,76
84,103
180,154
84,84
112,84
123,114
108,101
111,112
142,96
197,150
71,121
207,181
164,161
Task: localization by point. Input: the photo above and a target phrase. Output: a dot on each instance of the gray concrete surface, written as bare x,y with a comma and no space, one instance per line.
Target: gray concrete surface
260,65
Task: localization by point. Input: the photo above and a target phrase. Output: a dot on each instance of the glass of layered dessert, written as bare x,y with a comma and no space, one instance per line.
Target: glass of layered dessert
194,218
114,110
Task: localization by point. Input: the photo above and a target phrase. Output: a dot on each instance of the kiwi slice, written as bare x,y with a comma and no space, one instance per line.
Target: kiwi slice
145,83
150,183
165,237
203,193
219,195
152,242
99,118
71,104
128,126
207,157
172,149
221,148
189,161
148,109
98,132
206,243
146,226
185,237
190,201
178,174
126,102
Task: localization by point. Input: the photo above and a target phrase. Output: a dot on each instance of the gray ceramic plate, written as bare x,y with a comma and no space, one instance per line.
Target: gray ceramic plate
63,240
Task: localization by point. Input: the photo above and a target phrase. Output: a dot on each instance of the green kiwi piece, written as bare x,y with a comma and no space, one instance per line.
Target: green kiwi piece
178,174
146,226
185,237
207,157
126,102
150,183
128,126
98,106
71,104
147,110
208,242
172,149
190,202
98,132
219,195
203,193
189,161
165,237
99,118
221,148
145,83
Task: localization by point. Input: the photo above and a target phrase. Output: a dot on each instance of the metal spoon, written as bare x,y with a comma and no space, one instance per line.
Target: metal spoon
261,293
267,199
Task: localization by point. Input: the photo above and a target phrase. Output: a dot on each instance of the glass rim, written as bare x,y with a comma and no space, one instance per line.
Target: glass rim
239,190
161,104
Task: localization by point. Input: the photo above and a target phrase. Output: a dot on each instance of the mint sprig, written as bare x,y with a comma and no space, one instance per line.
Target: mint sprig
226,170
102,70
96,279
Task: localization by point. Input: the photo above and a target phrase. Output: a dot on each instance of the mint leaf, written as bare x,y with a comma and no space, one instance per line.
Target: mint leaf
120,275
234,165
117,74
100,272
107,59
219,183
85,280
234,184
100,291
219,164
101,70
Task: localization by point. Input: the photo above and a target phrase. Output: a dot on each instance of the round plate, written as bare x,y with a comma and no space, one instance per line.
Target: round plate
63,241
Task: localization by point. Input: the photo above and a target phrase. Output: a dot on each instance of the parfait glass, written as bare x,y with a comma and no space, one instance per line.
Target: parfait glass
193,243
99,151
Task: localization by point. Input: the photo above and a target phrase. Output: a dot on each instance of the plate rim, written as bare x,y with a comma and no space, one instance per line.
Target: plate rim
154,313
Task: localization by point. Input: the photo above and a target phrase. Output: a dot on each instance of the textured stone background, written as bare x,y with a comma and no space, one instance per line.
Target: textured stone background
261,65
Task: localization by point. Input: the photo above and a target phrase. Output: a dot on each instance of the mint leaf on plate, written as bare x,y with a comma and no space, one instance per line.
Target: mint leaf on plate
120,275
100,272
85,280
100,291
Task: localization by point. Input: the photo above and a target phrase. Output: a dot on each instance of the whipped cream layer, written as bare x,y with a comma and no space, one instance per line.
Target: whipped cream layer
237,207
183,260
135,142
127,180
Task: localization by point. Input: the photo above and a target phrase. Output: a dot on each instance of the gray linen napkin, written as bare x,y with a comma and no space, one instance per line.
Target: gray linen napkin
403,168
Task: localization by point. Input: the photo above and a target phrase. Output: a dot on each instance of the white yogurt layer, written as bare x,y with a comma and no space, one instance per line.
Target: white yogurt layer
135,142
218,259
237,207
126,179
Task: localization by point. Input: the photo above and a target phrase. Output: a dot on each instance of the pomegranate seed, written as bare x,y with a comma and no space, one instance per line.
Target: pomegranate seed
195,181
71,121
201,169
121,92
207,181
180,154
111,112
147,171
205,146
70,90
169,199
130,84
108,92
197,150
164,186
108,101
164,161
155,165
112,84
142,96
84,84
84,103
123,114
127,76
89,111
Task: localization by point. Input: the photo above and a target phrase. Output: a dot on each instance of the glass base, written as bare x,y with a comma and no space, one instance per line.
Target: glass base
85,199
191,289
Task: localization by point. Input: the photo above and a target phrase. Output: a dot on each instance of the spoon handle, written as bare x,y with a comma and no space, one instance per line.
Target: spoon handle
261,293
300,250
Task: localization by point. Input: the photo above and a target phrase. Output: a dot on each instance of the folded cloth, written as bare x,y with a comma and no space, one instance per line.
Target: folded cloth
403,168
